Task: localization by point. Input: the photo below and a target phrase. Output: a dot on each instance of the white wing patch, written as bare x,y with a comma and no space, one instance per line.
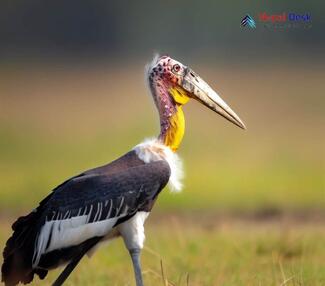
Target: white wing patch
152,150
63,231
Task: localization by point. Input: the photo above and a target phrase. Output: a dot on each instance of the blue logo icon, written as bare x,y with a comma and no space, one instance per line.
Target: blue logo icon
248,21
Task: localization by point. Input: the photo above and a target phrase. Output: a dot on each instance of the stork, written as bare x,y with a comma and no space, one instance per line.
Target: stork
113,200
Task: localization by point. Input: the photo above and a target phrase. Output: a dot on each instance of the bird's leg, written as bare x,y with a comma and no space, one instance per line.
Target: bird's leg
74,262
135,255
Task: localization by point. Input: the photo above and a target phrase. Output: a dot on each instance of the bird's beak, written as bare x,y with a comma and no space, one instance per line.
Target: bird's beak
198,89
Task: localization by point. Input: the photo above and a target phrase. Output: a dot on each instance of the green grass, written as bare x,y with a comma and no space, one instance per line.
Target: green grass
54,125
33,162
210,252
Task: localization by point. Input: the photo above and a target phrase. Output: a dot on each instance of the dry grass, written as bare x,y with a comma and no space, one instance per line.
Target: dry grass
57,122
184,251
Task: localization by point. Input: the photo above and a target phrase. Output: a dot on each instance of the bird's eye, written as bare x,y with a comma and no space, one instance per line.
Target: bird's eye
176,68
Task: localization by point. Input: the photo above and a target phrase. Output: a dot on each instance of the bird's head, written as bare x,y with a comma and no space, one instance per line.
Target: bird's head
174,84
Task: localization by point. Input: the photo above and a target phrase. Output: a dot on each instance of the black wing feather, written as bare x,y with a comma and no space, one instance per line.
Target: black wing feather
127,181
136,186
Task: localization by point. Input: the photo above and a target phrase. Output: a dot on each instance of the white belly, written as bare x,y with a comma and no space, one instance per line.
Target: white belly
131,230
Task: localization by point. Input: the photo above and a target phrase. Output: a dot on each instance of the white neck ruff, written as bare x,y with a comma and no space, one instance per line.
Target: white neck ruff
151,150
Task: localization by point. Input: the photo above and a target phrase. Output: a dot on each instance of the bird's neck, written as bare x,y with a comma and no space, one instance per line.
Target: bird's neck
172,129
172,122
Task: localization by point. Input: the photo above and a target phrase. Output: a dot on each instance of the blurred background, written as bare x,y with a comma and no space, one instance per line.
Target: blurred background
73,96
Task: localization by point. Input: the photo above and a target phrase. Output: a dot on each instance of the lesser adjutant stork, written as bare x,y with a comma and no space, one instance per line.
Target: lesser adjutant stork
112,200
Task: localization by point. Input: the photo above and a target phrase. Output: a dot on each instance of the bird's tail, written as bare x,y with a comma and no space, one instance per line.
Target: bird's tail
18,252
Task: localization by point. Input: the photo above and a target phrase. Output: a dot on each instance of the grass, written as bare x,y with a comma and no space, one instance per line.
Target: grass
51,131
57,123
210,252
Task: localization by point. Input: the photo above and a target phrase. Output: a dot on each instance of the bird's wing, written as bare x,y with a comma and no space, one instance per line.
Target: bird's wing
134,185
83,207
91,204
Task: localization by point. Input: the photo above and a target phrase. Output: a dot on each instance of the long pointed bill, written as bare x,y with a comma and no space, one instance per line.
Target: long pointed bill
198,89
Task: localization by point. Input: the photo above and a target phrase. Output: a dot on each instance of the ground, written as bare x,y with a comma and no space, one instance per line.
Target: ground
211,250
252,208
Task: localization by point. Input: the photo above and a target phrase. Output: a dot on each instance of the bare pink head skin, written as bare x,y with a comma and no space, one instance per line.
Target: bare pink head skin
168,77
161,80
